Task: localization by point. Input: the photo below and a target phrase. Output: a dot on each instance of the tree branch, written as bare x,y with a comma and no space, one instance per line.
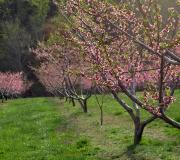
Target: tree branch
124,105
169,120
175,60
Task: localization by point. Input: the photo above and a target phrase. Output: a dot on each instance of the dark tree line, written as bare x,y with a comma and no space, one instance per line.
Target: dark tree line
22,25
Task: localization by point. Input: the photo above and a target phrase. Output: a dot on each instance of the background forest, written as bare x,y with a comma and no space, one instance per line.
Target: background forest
22,24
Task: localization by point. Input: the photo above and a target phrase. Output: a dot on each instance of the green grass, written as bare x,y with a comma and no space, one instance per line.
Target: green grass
48,129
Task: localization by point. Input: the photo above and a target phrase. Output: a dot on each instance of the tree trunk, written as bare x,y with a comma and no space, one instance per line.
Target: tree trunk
138,133
172,89
85,106
73,102
2,96
101,115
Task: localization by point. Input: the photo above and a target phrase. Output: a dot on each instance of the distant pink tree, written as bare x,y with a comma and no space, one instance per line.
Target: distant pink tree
60,73
12,84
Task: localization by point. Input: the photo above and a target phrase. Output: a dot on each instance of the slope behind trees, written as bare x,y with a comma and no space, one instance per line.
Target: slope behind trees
21,27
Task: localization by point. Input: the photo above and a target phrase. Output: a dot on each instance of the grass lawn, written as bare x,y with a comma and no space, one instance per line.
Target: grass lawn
48,129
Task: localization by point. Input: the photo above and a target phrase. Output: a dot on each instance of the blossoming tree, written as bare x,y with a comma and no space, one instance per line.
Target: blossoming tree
60,73
129,47
12,85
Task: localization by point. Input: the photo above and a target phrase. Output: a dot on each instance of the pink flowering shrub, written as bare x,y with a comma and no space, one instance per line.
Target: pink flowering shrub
12,84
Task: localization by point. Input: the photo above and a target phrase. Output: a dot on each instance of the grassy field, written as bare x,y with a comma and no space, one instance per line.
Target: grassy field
48,129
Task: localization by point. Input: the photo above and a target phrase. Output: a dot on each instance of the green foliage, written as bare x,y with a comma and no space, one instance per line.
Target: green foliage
16,41
21,26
